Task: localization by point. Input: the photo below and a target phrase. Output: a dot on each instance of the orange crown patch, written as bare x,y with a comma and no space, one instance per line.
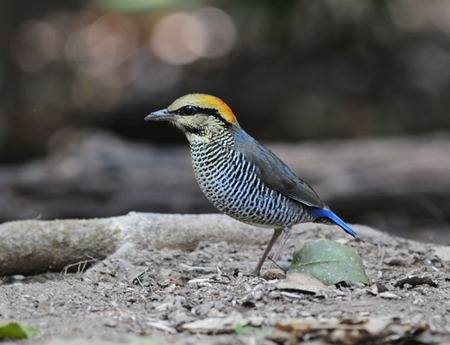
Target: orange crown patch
205,101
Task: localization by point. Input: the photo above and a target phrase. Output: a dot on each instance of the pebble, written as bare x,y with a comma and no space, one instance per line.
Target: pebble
274,294
202,309
110,323
389,295
273,273
257,295
395,262
418,301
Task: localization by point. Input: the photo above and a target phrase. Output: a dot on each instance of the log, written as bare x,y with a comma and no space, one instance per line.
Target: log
37,246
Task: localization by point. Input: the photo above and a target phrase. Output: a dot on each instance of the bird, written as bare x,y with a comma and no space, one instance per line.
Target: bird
240,176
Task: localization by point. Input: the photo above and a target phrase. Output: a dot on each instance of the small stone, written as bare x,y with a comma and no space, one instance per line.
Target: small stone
203,309
274,294
131,300
273,274
258,295
171,288
219,305
215,313
395,262
389,295
248,304
377,288
443,253
418,301
373,290
381,287
110,323
358,285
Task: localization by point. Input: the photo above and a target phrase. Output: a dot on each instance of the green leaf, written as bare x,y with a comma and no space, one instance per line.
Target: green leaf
16,330
149,341
330,262
245,330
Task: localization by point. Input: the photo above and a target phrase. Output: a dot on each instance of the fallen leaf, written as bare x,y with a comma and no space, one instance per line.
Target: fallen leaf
301,282
16,330
163,326
245,330
330,262
414,281
347,331
221,324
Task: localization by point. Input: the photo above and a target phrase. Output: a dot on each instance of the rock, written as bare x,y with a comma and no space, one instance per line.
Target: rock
389,295
219,325
443,253
273,273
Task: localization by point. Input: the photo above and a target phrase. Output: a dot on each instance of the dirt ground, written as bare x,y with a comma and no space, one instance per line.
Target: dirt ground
207,296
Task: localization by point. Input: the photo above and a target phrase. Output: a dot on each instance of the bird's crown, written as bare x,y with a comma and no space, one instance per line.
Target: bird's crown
206,103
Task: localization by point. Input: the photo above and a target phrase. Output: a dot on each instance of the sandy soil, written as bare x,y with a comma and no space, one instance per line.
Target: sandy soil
161,295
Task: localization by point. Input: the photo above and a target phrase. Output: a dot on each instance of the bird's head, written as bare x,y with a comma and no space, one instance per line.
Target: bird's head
198,115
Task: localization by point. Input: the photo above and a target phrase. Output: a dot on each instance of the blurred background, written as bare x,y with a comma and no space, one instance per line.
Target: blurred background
354,94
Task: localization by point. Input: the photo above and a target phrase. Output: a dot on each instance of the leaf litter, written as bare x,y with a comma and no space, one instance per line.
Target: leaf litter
207,296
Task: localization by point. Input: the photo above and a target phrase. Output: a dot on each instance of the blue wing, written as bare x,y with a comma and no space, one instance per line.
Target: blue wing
278,176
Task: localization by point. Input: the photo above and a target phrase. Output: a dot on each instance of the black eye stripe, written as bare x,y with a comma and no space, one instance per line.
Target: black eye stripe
189,110
216,114
192,110
210,111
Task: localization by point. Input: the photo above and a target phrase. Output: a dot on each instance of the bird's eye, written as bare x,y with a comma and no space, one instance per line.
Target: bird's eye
188,110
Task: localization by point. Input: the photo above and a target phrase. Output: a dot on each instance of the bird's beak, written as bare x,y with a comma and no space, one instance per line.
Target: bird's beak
160,115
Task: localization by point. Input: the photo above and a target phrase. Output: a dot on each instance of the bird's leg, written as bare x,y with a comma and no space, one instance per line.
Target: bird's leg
276,233
284,240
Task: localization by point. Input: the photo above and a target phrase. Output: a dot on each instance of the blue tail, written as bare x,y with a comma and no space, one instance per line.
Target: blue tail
323,213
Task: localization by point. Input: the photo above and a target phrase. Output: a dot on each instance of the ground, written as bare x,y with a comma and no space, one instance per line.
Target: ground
160,296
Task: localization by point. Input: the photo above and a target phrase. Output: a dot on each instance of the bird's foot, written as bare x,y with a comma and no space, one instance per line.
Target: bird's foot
256,272
282,265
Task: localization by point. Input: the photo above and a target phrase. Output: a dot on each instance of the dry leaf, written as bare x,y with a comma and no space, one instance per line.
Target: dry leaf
415,280
221,324
301,282
347,331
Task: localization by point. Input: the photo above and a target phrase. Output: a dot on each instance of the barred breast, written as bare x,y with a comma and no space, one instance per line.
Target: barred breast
231,183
